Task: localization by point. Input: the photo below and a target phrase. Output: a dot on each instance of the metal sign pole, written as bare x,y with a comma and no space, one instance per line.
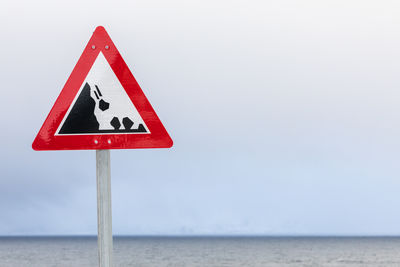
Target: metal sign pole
104,221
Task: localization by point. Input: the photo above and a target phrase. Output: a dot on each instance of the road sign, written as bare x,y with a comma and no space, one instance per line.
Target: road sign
101,106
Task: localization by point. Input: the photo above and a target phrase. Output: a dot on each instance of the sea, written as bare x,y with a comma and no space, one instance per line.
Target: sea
203,251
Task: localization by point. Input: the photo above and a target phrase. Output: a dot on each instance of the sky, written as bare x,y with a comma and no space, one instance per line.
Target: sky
284,116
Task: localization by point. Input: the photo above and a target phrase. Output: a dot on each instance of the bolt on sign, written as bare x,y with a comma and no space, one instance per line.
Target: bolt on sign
101,106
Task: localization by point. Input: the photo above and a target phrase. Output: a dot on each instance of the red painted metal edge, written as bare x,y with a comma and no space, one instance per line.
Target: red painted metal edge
46,138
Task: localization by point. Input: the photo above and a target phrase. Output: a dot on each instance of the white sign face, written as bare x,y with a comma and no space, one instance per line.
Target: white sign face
102,106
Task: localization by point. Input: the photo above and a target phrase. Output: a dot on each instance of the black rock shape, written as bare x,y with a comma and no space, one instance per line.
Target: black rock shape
103,105
81,119
115,123
127,123
141,129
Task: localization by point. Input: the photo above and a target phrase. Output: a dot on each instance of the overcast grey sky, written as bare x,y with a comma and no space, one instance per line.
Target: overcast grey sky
284,116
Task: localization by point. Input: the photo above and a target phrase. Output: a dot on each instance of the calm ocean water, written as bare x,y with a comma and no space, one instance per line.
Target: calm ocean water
203,251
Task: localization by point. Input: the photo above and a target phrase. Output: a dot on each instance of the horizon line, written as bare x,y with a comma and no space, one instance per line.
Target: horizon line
209,236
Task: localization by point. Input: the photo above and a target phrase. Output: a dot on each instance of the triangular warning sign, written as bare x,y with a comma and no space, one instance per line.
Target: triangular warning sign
101,106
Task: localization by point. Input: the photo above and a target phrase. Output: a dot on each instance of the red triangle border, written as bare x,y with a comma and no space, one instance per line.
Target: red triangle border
46,138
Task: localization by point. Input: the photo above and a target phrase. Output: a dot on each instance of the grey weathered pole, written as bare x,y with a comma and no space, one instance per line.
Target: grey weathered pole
104,221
